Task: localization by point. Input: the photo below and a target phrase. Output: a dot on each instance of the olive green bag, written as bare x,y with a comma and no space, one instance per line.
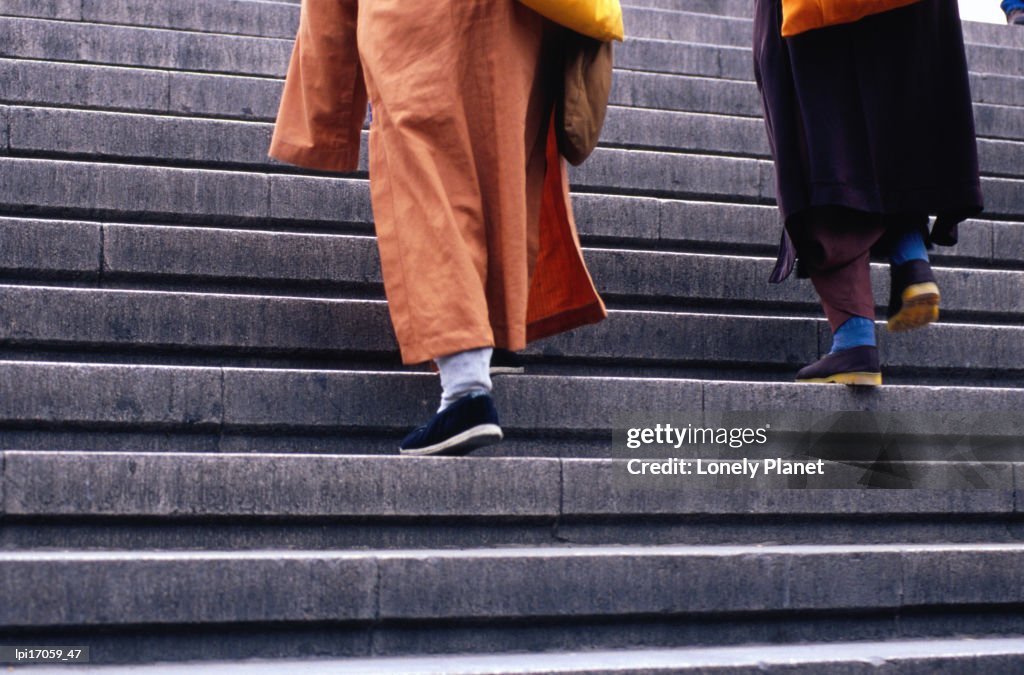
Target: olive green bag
581,107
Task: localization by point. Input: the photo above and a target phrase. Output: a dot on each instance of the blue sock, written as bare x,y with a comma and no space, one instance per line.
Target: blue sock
857,331
908,247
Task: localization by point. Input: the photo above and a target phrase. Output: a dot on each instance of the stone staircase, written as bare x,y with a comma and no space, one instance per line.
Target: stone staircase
200,395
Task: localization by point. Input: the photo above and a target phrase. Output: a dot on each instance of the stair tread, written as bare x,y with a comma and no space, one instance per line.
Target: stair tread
799,658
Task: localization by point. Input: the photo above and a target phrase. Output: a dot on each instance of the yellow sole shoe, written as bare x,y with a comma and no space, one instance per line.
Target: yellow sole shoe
856,366
852,379
920,307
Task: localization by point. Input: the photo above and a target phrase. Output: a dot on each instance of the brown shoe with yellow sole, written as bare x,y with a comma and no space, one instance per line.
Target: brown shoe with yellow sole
856,366
914,297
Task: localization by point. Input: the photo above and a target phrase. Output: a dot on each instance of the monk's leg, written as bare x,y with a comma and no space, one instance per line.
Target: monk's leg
836,252
914,293
457,114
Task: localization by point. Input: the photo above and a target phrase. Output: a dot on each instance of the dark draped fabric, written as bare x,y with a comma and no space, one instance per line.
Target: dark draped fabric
873,117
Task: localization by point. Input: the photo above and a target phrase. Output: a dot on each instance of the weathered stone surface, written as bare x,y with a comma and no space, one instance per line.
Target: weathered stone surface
687,338
593,486
288,398
201,484
691,176
336,200
149,47
664,91
89,588
124,136
84,85
236,17
44,9
686,26
204,253
983,574
765,396
250,98
69,393
85,317
47,247
138,191
732,63
567,583
996,348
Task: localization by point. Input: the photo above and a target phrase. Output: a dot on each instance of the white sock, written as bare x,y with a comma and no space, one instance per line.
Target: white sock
467,372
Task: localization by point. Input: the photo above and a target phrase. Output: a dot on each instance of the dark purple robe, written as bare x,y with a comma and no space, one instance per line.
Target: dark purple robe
873,116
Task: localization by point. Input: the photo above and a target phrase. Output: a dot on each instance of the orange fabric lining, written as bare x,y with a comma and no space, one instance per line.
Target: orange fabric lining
799,16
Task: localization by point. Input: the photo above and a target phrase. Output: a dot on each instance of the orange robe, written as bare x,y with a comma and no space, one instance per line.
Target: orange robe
477,241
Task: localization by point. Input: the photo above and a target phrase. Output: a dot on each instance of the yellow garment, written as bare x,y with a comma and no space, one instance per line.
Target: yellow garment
471,205
600,19
799,16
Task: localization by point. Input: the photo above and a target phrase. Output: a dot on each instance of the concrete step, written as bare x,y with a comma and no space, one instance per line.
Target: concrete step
143,325
73,41
250,500
741,8
78,85
83,188
280,19
373,588
234,17
56,132
966,656
339,205
143,47
48,83
324,403
336,266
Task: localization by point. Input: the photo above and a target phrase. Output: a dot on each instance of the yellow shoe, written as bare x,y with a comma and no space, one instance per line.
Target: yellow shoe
914,297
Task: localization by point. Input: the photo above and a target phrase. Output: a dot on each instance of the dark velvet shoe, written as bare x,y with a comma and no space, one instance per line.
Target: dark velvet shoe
856,365
913,296
1015,17
468,424
505,362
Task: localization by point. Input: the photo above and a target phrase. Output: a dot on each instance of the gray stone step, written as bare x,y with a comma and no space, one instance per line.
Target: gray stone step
134,256
280,19
253,485
216,197
178,50
742,8
219,400
58,132
84,189
145,47
252,500
47,83
515,599
121,88
235,17
966,656
153,322
211,197
369,587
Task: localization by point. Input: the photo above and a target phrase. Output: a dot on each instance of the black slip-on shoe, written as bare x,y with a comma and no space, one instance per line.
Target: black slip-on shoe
1015,17
913,296
506,362
856,365
468,424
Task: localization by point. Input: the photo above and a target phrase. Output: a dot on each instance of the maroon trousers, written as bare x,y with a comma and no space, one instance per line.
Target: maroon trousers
835,247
